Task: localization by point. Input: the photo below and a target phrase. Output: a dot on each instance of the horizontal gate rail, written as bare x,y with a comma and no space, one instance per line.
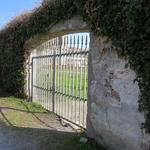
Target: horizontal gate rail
65,54
63,94
70,96
45,89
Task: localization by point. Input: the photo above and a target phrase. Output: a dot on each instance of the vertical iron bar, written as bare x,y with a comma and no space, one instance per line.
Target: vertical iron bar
71,83
29,79
42,82
59,74
49,75
73,77
46,81
32,80
61,81
67,78
53,88
40,102
35,89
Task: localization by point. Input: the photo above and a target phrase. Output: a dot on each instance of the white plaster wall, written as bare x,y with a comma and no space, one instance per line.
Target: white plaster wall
113,116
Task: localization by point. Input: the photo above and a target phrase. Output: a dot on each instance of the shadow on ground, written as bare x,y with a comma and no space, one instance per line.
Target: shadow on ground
27,126
19,138
27,138
22,129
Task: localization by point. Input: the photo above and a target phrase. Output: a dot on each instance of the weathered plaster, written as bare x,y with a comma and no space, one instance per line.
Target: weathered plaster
113,116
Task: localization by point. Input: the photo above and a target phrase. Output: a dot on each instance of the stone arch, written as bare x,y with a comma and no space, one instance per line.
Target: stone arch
113,117
74,25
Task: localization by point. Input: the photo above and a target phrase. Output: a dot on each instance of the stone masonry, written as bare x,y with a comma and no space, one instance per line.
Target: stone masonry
113,116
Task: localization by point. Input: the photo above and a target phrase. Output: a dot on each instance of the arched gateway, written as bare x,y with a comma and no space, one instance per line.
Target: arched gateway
113,116
112,112
57,70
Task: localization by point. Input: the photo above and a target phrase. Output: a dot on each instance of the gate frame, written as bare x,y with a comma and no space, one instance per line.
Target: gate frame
84,51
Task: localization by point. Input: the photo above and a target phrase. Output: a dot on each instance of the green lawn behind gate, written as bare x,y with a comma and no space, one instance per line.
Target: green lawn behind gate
70,82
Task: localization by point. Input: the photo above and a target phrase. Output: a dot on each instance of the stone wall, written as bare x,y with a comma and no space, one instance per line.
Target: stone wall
113,116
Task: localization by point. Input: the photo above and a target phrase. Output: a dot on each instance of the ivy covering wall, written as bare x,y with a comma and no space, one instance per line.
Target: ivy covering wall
125,22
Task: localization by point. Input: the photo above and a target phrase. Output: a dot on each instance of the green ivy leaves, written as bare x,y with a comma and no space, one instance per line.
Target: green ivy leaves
126,22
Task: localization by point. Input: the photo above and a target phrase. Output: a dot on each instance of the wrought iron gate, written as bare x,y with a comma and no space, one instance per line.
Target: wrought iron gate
60,77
